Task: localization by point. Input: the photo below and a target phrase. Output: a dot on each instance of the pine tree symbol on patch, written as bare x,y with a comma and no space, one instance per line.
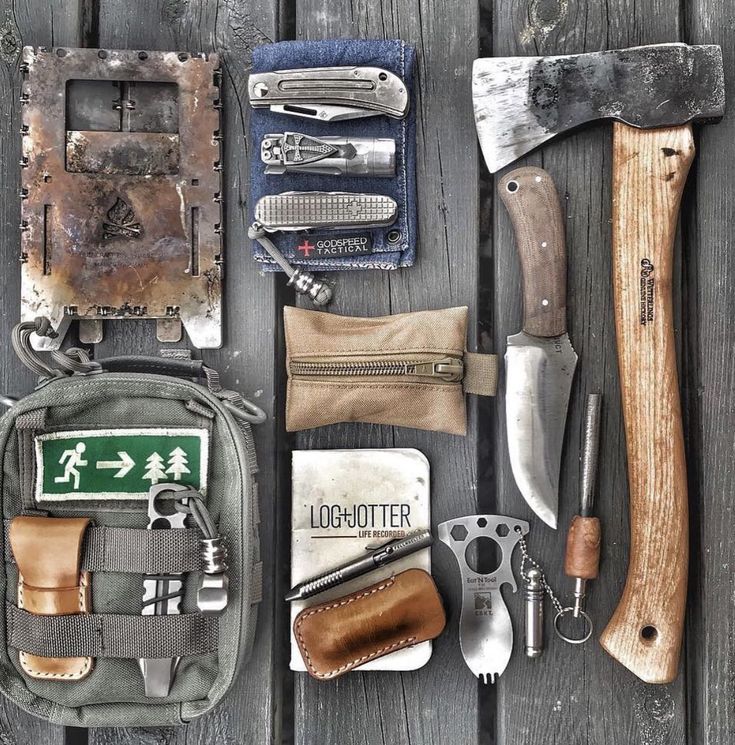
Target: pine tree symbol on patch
177,463
154,468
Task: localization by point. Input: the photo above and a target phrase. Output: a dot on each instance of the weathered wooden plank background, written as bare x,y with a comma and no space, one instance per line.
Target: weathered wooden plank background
466,256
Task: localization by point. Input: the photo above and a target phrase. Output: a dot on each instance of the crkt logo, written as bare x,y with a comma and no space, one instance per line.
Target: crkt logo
483,604
315,247
647,287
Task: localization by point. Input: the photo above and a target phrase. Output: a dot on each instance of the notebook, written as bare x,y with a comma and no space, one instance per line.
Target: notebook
345,500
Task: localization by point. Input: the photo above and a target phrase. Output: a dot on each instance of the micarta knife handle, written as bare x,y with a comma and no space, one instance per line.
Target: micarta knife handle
533,204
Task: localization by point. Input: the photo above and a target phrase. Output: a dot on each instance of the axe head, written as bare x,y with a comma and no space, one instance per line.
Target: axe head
520,102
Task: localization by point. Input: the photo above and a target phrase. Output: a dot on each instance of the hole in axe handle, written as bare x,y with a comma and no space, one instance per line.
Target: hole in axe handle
649,634
512,186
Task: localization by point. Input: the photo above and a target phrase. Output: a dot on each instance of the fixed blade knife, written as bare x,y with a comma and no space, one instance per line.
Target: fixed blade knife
330,94
539,360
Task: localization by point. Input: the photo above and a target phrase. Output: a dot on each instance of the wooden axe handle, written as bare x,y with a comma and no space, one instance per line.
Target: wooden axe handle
649,171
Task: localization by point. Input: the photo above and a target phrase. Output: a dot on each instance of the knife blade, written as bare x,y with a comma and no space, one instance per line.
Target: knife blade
539,360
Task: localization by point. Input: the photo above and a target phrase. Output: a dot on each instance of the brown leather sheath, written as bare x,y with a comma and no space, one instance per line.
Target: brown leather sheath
48,551
343,634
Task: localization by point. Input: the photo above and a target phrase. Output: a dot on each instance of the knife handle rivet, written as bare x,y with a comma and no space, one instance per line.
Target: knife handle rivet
544,244
544,302
538,179
512,186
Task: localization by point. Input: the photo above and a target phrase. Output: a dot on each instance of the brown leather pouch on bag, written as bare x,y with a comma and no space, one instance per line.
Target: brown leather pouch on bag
47,551
407,370
340,635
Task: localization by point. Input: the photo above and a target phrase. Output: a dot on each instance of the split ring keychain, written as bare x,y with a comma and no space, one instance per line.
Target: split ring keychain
582,556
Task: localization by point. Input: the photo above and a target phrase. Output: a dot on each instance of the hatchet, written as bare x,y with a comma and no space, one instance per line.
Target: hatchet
653,93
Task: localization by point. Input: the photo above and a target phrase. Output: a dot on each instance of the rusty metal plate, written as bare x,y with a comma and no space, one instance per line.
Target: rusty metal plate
121,207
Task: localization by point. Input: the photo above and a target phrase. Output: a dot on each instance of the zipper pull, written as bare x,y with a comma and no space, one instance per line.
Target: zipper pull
449,369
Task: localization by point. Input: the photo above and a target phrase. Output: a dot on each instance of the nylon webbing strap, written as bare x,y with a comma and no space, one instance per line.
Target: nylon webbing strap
480,374
135,551
111,635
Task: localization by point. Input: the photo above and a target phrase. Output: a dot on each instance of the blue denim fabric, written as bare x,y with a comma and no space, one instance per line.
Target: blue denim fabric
395,56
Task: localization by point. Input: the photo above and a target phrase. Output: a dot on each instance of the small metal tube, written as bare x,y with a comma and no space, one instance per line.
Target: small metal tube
534,595
580,591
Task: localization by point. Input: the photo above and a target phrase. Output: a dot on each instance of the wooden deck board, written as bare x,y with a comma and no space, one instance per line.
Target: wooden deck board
246,360
466,256
382,707
709,302
20,24
581,693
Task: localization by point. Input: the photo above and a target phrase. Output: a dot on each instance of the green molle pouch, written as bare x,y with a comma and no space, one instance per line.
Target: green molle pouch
131,554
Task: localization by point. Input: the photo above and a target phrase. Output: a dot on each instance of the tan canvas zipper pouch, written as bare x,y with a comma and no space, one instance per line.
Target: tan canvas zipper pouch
407,370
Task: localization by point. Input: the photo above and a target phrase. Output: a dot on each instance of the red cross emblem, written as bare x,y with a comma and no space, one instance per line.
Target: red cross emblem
306,247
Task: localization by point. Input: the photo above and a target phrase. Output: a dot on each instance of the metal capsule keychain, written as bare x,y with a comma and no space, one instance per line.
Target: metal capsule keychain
582,557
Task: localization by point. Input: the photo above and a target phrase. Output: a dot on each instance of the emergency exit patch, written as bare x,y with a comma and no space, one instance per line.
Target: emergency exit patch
118,463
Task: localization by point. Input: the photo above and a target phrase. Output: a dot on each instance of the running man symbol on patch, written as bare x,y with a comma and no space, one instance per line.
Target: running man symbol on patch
120,463
72,460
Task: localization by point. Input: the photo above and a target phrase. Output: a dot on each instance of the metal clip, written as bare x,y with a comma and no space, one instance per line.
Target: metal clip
328,156
213,584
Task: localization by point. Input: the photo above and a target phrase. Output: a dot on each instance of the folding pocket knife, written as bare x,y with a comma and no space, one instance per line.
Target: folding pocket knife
330,94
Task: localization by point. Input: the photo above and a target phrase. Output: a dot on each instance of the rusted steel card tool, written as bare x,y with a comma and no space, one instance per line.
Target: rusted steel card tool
654,93
330,94
121,193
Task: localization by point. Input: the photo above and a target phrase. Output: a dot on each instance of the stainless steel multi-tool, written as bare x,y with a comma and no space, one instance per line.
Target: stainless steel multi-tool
485,629
304,210
328,156
330,94
161,596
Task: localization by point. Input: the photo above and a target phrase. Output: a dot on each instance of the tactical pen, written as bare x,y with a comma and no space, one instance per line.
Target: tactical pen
386,554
